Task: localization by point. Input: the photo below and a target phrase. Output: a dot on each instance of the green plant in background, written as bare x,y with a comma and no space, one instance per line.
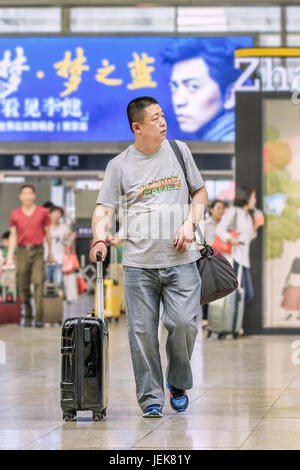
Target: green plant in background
286,226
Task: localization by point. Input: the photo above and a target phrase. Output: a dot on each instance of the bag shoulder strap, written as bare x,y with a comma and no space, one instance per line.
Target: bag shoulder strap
179,156
177,151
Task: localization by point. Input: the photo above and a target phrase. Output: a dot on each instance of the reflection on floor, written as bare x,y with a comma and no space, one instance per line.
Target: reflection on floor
246,396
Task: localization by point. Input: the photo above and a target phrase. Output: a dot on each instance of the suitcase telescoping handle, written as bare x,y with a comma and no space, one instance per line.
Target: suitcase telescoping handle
236,304
100,288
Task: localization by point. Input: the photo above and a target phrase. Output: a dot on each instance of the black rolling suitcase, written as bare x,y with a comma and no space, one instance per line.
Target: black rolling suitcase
84,349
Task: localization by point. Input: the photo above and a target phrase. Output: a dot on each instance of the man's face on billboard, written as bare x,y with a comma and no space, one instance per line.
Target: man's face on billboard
196,96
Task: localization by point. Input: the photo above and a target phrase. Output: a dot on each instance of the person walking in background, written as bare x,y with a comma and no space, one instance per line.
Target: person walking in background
61,237
216,212
29,225
239,219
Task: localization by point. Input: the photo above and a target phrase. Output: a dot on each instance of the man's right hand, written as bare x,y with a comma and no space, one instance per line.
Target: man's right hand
99,248
10,262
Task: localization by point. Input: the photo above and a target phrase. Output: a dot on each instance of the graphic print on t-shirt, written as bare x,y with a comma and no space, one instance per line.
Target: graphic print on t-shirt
172,183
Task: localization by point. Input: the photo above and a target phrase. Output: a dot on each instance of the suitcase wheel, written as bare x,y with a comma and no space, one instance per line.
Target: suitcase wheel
116,319
208,334
69,416
235,336
222,336
97,416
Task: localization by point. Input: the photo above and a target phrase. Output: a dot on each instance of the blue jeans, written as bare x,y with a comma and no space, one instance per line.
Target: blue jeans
179,289
54,274
246,282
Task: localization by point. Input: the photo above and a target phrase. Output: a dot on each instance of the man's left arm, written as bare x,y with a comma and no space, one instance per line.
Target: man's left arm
198,205
197,190
185,235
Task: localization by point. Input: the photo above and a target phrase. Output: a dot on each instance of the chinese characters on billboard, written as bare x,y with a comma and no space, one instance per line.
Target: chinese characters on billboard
77,88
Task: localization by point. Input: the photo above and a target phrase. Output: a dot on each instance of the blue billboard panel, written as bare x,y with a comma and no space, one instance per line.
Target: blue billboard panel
78,88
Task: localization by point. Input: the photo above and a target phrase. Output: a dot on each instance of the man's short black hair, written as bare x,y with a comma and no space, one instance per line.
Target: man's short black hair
28,186
136,108
5,235
48,204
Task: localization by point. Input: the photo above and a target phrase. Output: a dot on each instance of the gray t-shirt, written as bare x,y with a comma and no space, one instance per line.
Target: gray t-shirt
154,198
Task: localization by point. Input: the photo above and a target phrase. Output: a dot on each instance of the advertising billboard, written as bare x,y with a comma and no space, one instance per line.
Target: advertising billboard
282,208
78,88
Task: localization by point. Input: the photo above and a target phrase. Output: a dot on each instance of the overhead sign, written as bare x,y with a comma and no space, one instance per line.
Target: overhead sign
258,65
42,162
91,162
78,88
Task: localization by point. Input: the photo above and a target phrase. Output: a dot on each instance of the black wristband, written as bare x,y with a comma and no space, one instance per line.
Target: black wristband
190,220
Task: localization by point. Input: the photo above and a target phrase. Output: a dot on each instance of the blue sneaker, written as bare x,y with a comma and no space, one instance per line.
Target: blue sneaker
153,411
178,399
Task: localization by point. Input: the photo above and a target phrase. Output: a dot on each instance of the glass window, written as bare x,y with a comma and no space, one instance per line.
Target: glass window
30,20
293,40
95,20
220,189
269,40
293,68
293,19
219,19
292,63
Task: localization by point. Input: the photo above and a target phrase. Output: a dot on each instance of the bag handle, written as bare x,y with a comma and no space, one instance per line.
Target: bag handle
179,157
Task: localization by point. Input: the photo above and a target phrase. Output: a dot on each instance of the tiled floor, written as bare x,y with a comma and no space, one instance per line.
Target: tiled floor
246,395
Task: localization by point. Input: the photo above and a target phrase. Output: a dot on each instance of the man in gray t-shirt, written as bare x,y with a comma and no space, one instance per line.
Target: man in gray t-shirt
159,255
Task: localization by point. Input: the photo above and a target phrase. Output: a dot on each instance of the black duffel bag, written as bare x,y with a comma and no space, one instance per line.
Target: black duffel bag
218,278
